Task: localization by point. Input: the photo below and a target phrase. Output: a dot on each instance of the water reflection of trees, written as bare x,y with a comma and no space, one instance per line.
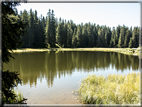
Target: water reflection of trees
49,65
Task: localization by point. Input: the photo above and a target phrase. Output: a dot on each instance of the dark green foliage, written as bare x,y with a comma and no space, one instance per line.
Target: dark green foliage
65,34
69,35
113,38
74,39
48,32
53,29
25,37
31,29
84,36
127,38
9,81
135,37
131,43
60,34
12,29
122,37
101,38
90,36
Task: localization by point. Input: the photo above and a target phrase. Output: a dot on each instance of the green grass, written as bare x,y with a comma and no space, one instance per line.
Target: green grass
113,89
128,51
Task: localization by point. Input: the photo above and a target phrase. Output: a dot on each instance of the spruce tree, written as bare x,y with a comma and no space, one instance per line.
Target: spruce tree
75,39
79,35
69,35
90,35
48,30
25,38
31,30
53,29
121,37
84,36
127,38
59,34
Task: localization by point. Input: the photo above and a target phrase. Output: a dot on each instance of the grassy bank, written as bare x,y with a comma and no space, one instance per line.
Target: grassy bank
128,51
113,89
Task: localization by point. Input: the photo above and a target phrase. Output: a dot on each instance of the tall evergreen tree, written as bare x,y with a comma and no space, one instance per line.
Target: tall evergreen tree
127,38
37,39
53,29
117,33
95,36
69,35
112,41
121,37
107,37
25,37
135,37
31,29
90,35
12,28
65,34
85,36
79,35
59,34
48,30
75,39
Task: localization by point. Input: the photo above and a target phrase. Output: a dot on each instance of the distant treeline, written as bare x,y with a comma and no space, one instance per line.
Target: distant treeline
50,32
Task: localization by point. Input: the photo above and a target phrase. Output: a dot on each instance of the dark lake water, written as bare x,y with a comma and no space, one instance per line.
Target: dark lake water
50,77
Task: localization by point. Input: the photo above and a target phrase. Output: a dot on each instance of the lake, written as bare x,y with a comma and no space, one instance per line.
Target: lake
51,77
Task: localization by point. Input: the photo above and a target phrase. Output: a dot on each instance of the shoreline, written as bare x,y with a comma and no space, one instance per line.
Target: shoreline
128,51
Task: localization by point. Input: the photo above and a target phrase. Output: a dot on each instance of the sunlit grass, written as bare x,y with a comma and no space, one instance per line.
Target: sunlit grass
113,89
128,51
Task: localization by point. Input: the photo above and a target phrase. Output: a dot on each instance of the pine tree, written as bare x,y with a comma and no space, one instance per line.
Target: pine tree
117,34
53,29
65,34
25,38
36,32
90,35
12,28
48,30
69,35
131,43
95,36
121,37
79,35
135,37
113,38
85,36
107,37
43,25
59,34
75,39
31,29
99,38
127,38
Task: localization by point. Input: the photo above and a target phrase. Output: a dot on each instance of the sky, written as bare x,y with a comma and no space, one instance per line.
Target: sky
109,14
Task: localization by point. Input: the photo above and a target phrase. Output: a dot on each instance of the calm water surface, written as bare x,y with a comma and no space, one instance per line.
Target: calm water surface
50,77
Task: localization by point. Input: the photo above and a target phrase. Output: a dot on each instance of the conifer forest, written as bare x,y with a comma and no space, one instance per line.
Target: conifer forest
50,32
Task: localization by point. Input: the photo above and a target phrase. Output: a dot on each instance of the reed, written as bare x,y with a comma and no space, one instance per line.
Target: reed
113,89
